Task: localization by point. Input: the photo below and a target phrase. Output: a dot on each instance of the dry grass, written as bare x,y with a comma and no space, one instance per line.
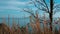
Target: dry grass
36,28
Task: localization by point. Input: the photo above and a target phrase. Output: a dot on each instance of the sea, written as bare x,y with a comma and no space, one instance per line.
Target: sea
20,21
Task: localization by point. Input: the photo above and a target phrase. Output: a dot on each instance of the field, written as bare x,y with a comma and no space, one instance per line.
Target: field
34,27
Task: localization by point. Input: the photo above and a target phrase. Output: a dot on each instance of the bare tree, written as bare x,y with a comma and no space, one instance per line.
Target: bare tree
48,9
42,5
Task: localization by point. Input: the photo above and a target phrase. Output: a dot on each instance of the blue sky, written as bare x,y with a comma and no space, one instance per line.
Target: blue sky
14,7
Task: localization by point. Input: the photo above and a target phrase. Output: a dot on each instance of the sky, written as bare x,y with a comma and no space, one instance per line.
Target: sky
14,8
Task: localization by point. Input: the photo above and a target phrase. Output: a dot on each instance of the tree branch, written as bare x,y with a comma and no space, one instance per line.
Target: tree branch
43,9
46,5
56,6
40,3
30,13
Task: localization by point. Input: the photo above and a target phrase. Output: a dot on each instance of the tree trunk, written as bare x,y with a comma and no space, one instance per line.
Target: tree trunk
51,14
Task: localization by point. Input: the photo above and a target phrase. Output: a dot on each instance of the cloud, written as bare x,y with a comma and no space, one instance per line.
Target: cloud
16,3
57,15
13,5
10,8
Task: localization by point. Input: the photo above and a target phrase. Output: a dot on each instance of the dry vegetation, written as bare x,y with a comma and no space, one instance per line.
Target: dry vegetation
35,26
